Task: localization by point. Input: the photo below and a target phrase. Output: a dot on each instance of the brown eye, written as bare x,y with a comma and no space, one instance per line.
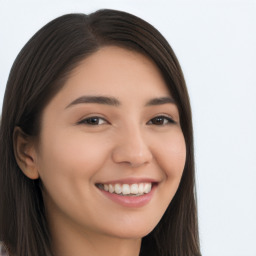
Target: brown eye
94,120
161,120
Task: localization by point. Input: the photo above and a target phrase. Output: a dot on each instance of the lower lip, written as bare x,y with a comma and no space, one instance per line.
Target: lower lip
130,201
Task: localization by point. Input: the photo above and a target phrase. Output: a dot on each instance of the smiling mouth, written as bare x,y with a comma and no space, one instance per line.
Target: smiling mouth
136,189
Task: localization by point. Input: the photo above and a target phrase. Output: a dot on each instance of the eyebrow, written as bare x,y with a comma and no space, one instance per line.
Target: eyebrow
111,101
160,101
96,99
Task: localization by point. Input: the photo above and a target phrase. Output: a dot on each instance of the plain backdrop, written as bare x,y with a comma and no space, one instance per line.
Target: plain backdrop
215,42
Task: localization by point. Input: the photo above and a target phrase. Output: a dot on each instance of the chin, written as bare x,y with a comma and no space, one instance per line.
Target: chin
132,231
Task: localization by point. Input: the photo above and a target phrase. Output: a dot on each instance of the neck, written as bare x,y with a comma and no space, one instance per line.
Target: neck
104,247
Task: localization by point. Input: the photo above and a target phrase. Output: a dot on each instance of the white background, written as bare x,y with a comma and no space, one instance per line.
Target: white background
215,42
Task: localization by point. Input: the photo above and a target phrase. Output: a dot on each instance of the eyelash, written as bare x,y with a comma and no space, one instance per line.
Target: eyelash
94,121
90,121
165,120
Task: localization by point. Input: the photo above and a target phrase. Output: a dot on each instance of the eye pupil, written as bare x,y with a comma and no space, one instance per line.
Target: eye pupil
93,120
158,120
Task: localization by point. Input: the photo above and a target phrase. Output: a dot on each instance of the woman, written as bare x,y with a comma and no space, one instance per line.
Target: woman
96,143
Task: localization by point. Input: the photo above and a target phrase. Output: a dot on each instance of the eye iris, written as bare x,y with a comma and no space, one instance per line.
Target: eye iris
93,120
158,120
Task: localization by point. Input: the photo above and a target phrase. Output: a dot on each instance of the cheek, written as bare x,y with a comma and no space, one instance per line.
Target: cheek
72,153
171,154
171,157
70,161
68,164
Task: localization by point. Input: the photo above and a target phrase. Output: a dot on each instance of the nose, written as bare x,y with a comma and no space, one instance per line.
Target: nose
132,149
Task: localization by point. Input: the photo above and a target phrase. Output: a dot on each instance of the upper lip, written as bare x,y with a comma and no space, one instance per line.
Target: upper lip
129,181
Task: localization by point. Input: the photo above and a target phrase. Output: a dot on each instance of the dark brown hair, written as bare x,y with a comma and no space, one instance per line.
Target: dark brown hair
38,73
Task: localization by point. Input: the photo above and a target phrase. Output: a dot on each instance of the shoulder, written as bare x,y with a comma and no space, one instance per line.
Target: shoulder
3,251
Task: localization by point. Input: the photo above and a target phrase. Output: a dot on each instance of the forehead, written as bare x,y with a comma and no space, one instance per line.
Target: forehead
112,68
116,72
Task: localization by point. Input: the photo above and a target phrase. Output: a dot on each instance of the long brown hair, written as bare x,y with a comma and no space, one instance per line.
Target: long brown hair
38,73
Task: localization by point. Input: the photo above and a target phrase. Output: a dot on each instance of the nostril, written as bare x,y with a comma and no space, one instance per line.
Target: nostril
136,165
131,147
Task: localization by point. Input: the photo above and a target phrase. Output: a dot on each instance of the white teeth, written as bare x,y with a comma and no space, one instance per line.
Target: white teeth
141,188
134,189
127,189
118,189
147,187
111,188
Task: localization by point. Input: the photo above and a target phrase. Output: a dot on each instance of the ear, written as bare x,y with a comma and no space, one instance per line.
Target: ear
25,153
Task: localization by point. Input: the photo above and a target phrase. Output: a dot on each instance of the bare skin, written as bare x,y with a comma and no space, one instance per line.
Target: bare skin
114,121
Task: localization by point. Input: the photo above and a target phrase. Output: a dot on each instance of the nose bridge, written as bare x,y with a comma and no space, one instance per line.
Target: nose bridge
132,147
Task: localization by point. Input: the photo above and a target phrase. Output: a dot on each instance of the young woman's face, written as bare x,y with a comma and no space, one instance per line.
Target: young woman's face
111,151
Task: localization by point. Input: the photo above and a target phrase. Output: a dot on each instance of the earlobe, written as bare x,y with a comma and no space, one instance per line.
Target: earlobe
25,153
